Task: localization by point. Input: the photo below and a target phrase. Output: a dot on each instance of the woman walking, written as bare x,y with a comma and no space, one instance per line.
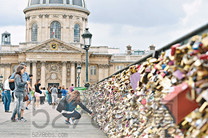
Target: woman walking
37,92
19,90
72,100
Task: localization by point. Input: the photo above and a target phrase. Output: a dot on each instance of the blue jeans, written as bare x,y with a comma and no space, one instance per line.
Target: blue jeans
17,109
7,100
2,97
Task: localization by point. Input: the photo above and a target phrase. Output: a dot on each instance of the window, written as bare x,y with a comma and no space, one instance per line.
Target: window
119,67
34,2
77,2
139,52
76,33
44,1
34,32
55,30
56,1
93,70
67,1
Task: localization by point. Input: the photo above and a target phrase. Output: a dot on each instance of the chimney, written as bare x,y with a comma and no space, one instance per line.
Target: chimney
152,48
129,49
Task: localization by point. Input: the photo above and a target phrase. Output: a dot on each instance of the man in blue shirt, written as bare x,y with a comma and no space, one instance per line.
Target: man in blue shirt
25,77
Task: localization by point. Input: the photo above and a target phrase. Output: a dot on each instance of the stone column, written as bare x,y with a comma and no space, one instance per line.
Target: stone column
73,73
43,74
64,73
28,68
34,72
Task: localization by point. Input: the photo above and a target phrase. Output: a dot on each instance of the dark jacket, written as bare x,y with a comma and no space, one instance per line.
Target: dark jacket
72,105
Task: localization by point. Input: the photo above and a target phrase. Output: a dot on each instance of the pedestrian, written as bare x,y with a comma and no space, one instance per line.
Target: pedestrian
64,92
19,92
42,96
25,78
71,102
71,88
37,92
29,94
49,96
54,92
7,95
59,94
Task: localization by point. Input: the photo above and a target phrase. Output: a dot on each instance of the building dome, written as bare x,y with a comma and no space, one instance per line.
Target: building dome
78,4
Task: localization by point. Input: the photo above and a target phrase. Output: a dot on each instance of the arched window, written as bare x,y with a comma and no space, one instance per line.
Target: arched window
77,2
34,32
76,33
56,1
34,2
55,30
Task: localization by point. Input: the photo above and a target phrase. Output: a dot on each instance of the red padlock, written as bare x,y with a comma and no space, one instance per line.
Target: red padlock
173,49
203,57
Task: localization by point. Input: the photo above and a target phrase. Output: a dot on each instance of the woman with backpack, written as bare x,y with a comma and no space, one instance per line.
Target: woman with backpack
19,90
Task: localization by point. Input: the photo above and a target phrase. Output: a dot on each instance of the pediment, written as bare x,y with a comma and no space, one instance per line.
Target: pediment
54,45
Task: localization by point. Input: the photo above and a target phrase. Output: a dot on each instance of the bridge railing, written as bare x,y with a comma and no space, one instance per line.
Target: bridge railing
156,53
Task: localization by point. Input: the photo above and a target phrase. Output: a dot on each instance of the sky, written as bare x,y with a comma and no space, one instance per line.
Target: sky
118,23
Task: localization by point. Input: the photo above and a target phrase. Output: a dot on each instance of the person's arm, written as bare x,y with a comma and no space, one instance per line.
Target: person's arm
84,108
19,82
11,79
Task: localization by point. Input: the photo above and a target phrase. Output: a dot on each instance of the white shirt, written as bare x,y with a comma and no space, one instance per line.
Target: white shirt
6,85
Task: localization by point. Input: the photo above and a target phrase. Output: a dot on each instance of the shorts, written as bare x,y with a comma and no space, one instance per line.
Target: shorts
29,96
37,94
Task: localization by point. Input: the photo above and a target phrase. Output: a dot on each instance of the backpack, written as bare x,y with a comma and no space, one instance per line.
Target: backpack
11,86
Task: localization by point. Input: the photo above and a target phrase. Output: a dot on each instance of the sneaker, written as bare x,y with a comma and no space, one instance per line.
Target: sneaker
26,108
23,119
13,120
71,121
8,111
67,122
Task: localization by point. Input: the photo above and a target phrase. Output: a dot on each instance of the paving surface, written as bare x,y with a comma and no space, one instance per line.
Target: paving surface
46,122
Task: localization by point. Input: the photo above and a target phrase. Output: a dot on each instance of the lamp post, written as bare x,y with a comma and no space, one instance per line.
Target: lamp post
79,71
87,43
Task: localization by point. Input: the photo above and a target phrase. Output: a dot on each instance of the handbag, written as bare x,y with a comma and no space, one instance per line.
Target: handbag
61,105
26,98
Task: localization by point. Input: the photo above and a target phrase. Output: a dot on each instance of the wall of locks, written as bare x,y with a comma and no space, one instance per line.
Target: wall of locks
162,97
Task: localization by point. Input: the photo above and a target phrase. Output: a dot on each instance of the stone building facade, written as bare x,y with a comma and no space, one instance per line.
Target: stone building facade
53,46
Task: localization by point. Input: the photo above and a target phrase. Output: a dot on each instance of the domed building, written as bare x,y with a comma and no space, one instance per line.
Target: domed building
53,46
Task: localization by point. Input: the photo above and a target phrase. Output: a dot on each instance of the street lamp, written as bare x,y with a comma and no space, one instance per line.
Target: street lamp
79,71
87,43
